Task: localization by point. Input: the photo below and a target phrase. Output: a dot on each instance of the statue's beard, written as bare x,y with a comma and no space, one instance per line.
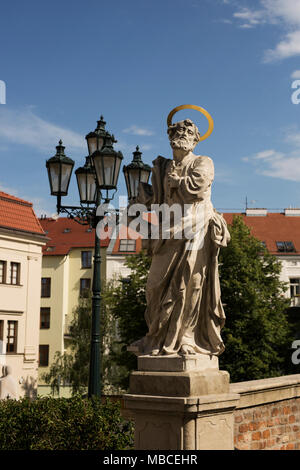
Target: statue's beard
182,144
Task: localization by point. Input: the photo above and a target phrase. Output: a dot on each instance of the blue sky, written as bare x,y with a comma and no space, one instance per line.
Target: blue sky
67,62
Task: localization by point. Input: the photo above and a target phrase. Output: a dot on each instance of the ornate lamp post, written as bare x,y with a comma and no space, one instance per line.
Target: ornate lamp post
99,173
59,172
135,173
86,183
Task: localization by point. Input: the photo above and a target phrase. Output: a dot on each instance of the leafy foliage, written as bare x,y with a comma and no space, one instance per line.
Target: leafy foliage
63,424
256,333
126,303
72,367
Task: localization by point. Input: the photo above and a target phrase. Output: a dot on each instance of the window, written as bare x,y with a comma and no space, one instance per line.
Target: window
46,287
295,292
44,355
2,272
15,273
45,318
86,259
1,336
127,245
85,286
285,247
295,287
12,330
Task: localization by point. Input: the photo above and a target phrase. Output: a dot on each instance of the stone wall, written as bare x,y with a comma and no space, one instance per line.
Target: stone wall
268,414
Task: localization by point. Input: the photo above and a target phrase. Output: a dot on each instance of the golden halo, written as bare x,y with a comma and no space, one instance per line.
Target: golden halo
197,108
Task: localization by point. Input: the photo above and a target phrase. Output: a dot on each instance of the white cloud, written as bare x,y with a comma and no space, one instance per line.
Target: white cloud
295,74
135,130
288,47
128,149
276,164
24,127
249,18
283,10
284,13
293,137
268,155
287,168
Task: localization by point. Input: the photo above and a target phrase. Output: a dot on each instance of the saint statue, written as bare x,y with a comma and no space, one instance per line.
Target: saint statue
184,312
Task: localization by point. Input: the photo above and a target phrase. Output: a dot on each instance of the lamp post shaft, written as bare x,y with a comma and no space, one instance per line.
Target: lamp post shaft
94,387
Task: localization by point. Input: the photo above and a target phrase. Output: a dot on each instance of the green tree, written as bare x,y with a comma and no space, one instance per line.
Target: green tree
256,333
72,367
125,303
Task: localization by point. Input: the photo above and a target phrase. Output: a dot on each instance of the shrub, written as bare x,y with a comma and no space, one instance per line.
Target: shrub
63,424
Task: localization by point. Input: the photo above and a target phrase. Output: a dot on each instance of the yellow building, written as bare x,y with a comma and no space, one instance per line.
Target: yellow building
21,242
67,272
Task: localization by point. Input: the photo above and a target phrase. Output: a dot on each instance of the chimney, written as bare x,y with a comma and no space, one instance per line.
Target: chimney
256,212
292,212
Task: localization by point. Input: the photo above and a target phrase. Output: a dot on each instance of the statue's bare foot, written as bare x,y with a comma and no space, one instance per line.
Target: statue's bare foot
186,350
155,352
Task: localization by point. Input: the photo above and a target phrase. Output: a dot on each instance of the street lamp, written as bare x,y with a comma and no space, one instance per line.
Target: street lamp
95,139
107,163
87,186
59,171
135,173
99,173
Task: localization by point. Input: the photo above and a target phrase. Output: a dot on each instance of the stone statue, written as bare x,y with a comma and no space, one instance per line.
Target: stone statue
8,385
184,311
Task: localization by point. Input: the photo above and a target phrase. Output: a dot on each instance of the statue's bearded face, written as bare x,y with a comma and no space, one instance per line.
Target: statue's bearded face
184,135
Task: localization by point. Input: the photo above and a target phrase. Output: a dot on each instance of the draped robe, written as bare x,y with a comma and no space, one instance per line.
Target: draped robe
183,291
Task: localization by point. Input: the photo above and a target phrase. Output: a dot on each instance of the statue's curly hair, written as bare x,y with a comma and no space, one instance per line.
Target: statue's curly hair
187,122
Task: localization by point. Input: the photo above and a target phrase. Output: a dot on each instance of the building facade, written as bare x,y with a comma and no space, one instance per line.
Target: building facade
21,242
280,233
67,274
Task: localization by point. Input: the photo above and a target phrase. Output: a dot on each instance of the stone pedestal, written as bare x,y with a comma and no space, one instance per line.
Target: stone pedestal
187,408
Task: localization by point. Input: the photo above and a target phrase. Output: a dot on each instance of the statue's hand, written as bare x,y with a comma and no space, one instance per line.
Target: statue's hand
174,180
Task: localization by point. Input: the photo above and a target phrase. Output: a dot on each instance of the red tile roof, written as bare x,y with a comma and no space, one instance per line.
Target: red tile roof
17,214
272,228
65,234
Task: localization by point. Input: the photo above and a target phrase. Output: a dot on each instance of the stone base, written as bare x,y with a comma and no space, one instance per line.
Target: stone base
179,384
196,423
181,402
178,363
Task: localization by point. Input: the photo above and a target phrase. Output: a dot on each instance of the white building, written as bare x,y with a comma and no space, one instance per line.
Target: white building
21,242
280,232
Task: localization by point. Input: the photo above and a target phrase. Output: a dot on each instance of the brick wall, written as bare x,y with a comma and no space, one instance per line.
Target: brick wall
274,426
268,416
